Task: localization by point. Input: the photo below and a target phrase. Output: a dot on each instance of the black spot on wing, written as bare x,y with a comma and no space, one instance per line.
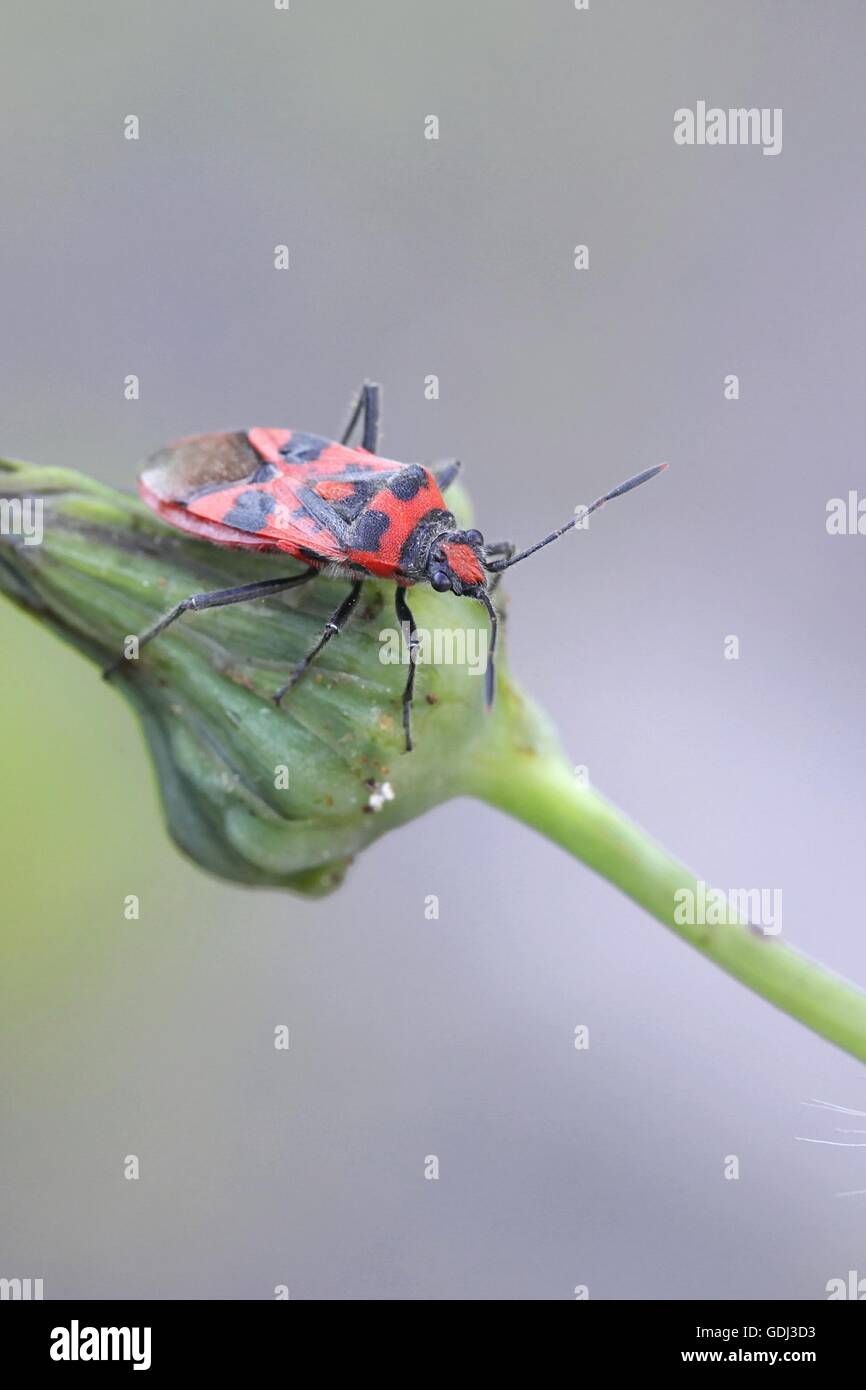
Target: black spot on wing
250,511
322,514
368,530
304,448
408,482
350,508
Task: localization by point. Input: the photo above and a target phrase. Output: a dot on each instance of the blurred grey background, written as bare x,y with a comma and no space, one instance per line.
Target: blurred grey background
454,257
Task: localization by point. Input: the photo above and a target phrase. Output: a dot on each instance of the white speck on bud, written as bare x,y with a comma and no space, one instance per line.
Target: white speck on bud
379,794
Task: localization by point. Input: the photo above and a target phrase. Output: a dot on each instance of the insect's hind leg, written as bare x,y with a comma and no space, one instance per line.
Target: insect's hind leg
370,403
217,598
335,624
404,615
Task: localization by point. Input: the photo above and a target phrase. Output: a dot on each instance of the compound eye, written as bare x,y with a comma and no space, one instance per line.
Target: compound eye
440,581
474,538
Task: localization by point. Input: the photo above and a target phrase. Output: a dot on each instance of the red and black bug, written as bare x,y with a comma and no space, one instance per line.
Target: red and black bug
342,510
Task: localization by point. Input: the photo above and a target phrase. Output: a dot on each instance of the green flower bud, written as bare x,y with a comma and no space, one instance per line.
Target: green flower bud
255,793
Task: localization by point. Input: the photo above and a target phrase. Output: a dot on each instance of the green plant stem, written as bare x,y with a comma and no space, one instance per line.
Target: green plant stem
543,793
107,568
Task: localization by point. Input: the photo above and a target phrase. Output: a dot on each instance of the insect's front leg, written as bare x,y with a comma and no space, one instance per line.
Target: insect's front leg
495,550
404,615
445,471
335,624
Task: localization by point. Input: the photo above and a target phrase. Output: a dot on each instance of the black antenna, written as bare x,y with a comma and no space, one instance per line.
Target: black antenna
499,565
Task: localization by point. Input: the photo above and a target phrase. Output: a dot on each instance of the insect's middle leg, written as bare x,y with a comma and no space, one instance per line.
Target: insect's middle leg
335,624
404,615
370,403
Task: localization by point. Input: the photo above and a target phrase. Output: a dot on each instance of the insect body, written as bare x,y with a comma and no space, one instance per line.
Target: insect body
342,511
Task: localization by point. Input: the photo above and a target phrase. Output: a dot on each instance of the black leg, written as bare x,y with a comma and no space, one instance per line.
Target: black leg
404,615
445,472
334,624
218,598
372,413
490,681
506,548
370,403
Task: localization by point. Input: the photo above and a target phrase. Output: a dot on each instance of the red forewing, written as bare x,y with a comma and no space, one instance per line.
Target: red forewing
294,492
